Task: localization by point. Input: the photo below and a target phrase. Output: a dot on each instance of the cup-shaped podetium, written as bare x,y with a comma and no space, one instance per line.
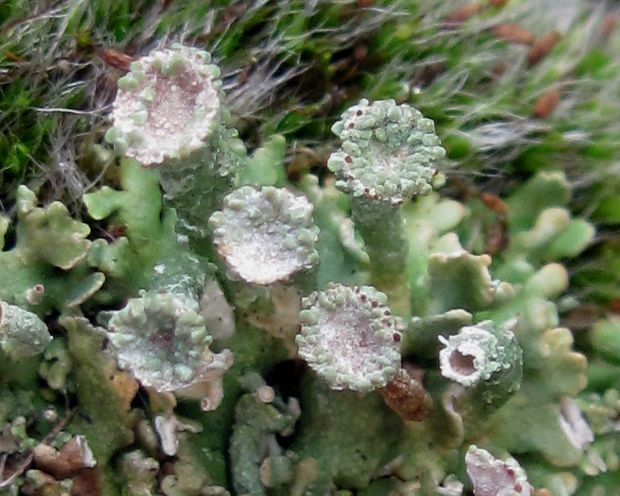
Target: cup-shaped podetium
487,361
22,333
388,152
162,340
494,477
265,235
388,155
482,353
166,106
350,338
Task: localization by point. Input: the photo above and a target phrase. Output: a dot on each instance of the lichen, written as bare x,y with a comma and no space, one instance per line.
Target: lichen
350,337
494,477
350,332
22,333
265,235
162,339
166,105
389,152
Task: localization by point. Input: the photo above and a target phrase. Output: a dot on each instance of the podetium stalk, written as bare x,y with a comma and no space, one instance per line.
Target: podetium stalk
387,156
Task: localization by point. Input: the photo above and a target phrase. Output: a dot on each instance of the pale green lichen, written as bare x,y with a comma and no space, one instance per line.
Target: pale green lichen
258,458
56,365
265,235
350,337
139,473
52,223
388,153
216,310
162,340
22,333
577,430
166,106
457,278
168,113
45,268
439,265
494,477
481,353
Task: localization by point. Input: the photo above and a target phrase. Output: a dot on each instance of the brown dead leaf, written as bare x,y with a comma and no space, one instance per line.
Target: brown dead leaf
86,483
461,14
495,203
116,59
73,457
546,103
609,24
614,306
542,492
513,33
497,238
542,46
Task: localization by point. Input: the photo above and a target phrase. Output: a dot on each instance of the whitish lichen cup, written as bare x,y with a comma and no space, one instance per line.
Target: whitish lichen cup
494,477
162,340
265,235
350,338
388,152
166,106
